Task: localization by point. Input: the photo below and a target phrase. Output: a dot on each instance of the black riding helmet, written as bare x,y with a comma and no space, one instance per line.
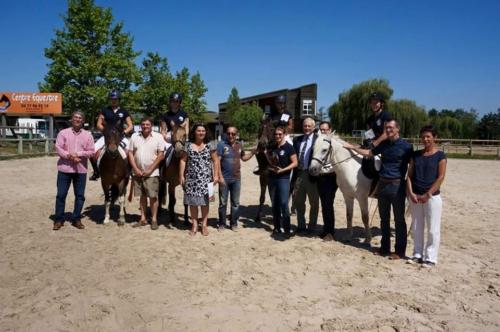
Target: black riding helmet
280,99
114,94
175,96
377,96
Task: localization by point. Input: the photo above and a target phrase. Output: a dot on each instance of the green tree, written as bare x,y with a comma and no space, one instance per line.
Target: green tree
197,105
409,116
247,119
88,57
153,93
193,90
352,110
233,103
489,126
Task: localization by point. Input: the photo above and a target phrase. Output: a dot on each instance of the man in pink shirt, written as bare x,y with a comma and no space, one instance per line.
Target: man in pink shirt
74,146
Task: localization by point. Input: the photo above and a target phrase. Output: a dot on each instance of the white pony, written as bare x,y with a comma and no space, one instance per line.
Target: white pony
329,155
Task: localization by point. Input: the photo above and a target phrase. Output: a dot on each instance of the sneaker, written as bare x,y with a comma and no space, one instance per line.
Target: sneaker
94,177
220,228
234,228
414,260
428,264
154,225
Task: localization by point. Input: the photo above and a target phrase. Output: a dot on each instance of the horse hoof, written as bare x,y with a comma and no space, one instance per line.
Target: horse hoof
106,221
121,223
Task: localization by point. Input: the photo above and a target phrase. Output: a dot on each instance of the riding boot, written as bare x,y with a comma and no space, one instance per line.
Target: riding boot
96,175
373,187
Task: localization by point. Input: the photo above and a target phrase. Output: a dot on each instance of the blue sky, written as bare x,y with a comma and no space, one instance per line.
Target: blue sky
442,54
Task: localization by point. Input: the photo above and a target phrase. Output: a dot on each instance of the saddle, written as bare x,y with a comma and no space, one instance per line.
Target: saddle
370,171
168,155
121,150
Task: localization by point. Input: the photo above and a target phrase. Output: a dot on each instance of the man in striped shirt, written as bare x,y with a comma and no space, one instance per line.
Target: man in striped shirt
75,146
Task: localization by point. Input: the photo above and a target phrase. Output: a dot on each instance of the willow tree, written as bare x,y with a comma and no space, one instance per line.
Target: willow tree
352,109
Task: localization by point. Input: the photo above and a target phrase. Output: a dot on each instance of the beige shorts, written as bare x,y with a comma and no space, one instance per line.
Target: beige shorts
146,186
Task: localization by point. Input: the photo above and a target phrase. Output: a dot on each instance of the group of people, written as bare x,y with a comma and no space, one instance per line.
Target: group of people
402,173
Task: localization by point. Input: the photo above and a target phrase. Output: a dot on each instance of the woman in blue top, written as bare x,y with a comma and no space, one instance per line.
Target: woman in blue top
425,175
284,160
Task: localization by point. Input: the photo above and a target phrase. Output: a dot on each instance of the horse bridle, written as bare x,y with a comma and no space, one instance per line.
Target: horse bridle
329,153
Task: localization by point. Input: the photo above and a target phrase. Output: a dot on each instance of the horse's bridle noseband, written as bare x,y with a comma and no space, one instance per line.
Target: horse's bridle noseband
328,154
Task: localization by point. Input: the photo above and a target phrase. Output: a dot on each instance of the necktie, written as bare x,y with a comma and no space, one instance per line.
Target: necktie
303,152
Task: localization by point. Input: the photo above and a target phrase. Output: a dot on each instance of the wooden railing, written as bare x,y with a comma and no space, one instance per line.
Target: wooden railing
10,147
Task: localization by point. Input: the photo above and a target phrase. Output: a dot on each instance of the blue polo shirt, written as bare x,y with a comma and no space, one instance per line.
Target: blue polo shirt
425,171
281,156
177,118
395,158
116,119
229,160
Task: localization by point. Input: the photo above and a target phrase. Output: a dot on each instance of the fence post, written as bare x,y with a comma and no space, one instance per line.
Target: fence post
30,136
470,147
498,152
20,145
46,145
4,124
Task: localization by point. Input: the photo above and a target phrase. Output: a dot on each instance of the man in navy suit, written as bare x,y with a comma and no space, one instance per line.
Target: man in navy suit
305,184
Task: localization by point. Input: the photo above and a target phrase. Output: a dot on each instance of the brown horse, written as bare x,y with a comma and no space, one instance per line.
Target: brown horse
264,145
114,173
170,174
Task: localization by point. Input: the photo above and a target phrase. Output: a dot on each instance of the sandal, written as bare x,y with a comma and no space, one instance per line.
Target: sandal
140,223
204,231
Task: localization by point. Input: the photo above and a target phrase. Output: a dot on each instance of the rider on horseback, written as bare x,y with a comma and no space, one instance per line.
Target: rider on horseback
281,117
116,116
374,135
174,117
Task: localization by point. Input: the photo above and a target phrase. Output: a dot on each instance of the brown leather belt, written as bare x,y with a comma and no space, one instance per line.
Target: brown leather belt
386,180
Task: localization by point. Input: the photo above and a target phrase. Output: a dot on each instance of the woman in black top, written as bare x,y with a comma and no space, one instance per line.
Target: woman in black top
425,175
284,159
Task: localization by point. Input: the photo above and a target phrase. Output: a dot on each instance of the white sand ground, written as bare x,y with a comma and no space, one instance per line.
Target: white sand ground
107,278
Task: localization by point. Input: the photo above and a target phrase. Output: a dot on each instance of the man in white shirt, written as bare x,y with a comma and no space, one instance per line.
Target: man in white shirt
145,155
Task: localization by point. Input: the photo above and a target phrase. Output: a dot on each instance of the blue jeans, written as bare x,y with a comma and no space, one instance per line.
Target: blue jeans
63,183
279,190
392,194
232,188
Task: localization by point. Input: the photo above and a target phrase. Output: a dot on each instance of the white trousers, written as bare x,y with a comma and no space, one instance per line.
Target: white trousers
427,214
99,144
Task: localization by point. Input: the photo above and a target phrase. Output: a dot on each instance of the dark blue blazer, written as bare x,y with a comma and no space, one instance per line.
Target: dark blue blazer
297,141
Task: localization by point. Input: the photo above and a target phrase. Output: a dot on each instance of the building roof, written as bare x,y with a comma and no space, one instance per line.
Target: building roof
266,95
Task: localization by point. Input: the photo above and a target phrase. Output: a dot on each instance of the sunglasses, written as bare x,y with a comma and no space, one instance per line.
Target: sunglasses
231,134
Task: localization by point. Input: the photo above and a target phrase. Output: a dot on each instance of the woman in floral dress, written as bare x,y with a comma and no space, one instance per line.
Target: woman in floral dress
199,166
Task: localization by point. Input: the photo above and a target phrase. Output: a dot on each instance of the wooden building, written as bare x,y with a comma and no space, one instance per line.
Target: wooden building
301,102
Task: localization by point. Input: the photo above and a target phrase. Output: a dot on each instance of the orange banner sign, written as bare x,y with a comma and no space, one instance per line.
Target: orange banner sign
30,103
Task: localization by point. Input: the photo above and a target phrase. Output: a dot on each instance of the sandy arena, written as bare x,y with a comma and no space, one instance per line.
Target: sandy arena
107,278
